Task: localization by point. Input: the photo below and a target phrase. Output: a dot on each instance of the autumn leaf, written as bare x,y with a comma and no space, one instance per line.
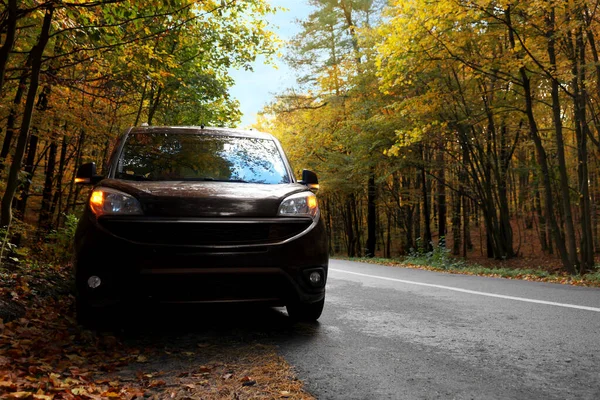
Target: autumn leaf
142,359
79,391
112,395
41,396
19,395
156,383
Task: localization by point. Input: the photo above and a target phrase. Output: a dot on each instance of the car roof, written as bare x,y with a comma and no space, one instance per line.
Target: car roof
203,130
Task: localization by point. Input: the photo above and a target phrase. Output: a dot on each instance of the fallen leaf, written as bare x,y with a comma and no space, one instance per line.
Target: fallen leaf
42,397
111,395
7,385
156,383
79,391
76,359
19,395
249,383
284,394
227,376
142,359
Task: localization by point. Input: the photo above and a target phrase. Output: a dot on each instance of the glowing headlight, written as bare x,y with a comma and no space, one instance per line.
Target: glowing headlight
106,201
299,205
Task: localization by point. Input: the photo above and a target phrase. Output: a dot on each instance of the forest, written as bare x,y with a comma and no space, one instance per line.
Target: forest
429,123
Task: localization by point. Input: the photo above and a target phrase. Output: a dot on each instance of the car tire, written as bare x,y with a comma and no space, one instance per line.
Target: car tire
307,312
89,317
84,313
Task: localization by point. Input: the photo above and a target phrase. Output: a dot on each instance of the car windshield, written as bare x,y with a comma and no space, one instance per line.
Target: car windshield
166,156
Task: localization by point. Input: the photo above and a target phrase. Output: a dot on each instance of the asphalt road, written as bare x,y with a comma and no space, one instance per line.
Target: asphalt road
397,333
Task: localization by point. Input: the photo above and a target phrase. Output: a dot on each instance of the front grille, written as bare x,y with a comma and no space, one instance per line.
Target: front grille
214,287
205,232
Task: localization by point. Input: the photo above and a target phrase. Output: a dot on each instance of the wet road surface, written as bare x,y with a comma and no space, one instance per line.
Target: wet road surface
396,333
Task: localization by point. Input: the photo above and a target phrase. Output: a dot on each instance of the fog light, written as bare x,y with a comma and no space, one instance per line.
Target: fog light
315,278
94,281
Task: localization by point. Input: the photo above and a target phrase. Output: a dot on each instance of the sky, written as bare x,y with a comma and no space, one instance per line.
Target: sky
254,89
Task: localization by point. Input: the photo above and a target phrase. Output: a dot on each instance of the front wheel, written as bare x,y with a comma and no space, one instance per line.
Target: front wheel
93,318
308,312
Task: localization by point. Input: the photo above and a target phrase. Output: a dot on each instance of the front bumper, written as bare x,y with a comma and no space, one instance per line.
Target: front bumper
273,270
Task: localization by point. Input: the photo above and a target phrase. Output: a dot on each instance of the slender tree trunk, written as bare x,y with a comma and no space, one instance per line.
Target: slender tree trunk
73,190
566,258
44,219
350,235
388,241
12,181
29,169
456,225
58,194
571,246
357,224
12,115
417,211
505,231
9,37
371,214
141,105
441,195
154,106
581,133
427,239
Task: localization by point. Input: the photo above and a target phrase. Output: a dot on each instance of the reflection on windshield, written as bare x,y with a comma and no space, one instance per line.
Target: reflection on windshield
156,156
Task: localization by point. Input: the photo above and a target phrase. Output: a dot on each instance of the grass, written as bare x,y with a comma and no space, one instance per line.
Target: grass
441,260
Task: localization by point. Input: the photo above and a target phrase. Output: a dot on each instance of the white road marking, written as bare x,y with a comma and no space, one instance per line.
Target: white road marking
500,296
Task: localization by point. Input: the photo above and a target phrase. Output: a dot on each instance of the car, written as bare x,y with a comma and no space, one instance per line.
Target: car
195,215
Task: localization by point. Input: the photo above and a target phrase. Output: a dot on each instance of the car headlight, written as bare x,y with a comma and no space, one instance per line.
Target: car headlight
299,205
106,201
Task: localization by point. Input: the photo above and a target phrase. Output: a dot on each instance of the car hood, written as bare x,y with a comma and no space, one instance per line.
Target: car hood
207,199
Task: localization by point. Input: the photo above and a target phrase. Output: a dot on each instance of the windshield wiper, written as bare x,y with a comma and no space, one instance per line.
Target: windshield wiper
209,179
132,177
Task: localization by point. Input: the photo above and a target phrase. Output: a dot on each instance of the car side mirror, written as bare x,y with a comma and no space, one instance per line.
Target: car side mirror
310,179
86,174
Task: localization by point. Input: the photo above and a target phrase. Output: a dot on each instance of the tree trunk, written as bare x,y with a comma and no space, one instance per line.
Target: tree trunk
73,190
371,214
12,115
9,37
44,219
570,255
441,195
581,134
542,158
29,169
427,239
58,195
456,225
12,181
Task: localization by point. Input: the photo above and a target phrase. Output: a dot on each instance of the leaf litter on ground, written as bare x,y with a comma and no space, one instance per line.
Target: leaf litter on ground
46,355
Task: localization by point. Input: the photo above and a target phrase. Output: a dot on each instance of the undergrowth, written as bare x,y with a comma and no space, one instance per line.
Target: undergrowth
441,259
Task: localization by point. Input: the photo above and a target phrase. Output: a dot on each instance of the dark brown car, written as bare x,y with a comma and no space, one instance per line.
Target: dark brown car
199,215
